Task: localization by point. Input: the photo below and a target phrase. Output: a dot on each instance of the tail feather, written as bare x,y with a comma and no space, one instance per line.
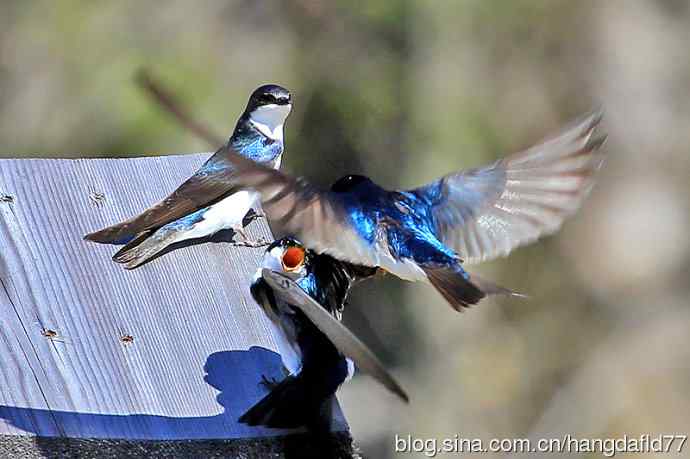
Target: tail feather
490,288
462,289
135,241
457,290
290,404
143,247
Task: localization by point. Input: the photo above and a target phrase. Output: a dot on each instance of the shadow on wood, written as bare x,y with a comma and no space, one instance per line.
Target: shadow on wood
247,365
170,352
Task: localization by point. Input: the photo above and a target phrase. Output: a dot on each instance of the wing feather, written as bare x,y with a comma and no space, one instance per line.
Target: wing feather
485,213
207,186
342,338
318,218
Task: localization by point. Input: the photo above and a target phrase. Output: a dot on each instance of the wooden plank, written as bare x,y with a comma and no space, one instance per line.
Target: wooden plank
200,343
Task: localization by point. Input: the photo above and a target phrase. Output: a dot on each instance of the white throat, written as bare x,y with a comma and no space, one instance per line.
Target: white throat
269,120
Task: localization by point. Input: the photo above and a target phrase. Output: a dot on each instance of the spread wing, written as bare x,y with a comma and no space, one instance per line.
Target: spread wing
319,219
208,185
485,213
342,338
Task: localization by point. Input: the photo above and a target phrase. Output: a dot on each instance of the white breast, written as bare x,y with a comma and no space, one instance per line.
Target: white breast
269,120
289,352
405,269
227,213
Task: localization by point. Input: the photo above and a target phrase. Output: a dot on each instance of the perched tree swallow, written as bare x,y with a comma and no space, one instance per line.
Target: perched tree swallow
206,203
303,294
425,234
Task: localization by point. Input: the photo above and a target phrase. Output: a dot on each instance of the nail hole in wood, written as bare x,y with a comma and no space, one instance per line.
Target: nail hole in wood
48,333
97,198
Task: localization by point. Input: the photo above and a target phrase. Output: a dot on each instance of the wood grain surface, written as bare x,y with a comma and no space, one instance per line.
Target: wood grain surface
199,343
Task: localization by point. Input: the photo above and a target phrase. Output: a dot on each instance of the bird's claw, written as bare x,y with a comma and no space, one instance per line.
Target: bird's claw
252,244
245,241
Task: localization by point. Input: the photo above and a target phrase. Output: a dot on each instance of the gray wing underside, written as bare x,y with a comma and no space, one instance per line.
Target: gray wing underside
487,212
318,218
342,338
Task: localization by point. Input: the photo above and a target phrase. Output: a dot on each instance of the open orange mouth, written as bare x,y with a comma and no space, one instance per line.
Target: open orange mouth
293,258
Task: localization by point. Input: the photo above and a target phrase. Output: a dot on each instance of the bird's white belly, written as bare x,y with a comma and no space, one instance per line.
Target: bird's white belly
405,269
289,352
225,214
350,369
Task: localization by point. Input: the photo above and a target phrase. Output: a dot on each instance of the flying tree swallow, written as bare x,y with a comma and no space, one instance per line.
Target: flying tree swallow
427,233
303,295
207,203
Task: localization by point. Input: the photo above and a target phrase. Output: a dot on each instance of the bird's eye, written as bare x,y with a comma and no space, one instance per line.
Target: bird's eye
293,258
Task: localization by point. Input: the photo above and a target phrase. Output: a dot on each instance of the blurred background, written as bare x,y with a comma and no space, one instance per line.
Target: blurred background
404,92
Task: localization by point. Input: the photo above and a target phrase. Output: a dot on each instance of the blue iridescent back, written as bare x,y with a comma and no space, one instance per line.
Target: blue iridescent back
407,217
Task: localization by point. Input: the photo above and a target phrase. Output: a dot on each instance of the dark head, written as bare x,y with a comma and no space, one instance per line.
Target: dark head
349,182
268,94
267,109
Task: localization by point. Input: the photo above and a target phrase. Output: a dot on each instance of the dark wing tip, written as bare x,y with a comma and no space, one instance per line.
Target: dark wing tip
96,236
400,392
117,234
101,237
392,385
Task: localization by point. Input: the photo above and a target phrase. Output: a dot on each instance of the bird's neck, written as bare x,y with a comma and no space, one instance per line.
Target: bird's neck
251,142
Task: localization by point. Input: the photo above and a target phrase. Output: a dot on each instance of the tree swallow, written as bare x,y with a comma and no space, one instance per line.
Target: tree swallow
303,294
206,203
425,234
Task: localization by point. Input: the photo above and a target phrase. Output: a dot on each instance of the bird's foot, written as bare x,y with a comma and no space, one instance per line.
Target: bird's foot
241,239
259,243
269,383
251,216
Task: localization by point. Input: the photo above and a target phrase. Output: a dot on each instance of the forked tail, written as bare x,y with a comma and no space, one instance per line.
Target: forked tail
143,247
461,289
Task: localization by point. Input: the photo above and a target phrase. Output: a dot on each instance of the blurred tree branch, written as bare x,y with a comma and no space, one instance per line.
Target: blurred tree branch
166,99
